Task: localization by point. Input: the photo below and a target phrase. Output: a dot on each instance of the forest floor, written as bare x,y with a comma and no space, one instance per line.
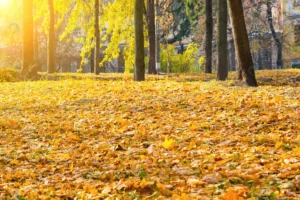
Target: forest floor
178,137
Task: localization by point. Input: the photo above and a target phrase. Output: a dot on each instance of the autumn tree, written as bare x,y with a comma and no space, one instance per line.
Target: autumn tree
209,35
116,19
241,42
139,69
222,71
28,38
51,39
274,35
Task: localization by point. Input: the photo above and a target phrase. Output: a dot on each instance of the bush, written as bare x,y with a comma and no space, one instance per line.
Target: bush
202,62
179,63
8,74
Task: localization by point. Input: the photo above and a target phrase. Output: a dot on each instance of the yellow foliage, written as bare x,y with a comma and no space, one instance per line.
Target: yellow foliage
8,74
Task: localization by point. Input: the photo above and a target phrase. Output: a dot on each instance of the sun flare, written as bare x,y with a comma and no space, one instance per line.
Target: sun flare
4,3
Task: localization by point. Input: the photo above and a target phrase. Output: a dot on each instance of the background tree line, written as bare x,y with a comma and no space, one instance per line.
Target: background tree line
108,24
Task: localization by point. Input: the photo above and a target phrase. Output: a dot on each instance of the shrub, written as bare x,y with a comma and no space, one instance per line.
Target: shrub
202,62
8,74
179,63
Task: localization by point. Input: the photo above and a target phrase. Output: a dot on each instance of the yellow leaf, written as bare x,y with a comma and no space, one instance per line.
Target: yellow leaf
182,197
278,144
296,151
14,162
168,144
143,183
66,156
72,136
7,177
253,177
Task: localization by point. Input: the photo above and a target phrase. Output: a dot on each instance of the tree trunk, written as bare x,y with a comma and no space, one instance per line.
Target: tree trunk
274,35
36,49
241,42
209,36
28,38
222,70
97,38
51,39
139,70
151,35
92,60
157,38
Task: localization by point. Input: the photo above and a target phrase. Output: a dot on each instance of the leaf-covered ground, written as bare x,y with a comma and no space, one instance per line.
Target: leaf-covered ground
182,137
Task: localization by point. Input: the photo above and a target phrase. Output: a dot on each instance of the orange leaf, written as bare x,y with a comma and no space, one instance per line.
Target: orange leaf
231,195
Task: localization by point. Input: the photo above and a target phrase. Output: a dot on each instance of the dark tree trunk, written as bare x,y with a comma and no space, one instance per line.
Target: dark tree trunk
151,35
222,70
139,70
274,35
241,42
209,36
28,38
97,39
51,39
240,73
92,60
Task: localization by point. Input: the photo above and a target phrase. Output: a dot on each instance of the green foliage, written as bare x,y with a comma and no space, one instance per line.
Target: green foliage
179,63
201,62
8,74
142,173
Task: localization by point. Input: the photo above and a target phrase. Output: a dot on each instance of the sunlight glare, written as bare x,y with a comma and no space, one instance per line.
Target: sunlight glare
4,3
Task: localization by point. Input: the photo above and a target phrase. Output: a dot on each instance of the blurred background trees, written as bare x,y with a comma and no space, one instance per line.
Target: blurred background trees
65,35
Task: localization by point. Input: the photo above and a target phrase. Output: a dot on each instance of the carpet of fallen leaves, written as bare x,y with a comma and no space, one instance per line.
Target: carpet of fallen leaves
182,137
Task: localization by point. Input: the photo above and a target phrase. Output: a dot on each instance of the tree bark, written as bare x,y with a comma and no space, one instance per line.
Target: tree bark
241,42
92,60
51,39
36,49
97,39
151,35
209,36
222,70
157,38
28,38
274,35
139,70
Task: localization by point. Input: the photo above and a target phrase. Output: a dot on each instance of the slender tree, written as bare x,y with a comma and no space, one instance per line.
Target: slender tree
241,42
274,35
28,39
139,69
222,70
209,35
151,35
92,60
36,49
97,38
51,39
157,37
